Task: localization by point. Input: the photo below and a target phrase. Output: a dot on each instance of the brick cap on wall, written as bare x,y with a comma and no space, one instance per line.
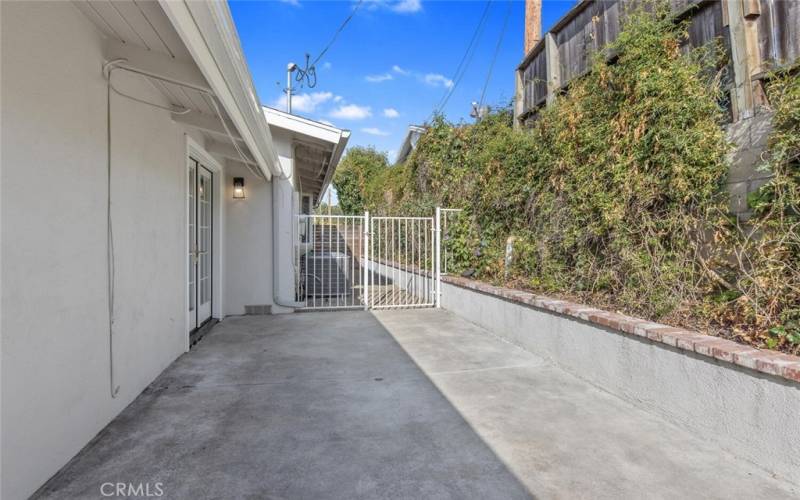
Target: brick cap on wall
770,362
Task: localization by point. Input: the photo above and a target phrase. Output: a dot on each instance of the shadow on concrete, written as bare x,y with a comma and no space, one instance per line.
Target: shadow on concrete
315,405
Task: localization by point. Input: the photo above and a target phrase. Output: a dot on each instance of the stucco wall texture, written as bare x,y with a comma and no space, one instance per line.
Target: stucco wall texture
55,339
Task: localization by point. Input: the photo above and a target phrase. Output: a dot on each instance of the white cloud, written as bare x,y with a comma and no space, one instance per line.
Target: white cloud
375,131
351,112
293,3
400,71
326,65
379,78
399,6
435,79
390,113
306,103
432,79
407,6
337,98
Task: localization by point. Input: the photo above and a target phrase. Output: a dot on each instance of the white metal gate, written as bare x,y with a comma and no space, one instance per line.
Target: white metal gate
329,264
347,261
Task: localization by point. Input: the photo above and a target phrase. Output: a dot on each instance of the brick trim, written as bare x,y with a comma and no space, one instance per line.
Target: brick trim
770,362
773,363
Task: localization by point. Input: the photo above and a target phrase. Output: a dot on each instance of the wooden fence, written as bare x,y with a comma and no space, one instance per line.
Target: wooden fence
760,34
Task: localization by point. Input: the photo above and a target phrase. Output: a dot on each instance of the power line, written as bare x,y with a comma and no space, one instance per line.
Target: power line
494,57
336,35
466,59
310,72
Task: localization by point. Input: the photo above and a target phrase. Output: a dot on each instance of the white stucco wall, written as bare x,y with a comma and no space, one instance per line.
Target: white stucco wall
744,411
55,348
249,244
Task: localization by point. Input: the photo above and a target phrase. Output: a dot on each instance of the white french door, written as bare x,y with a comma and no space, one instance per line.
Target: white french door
200,233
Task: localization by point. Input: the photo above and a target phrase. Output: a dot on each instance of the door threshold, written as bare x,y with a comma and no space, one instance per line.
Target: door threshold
198,333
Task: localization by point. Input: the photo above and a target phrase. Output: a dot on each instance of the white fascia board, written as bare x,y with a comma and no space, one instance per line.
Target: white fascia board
335,157
406,147
303,126
317,131
207,30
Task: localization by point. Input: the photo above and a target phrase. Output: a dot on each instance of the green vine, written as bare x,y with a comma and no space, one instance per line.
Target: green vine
615,196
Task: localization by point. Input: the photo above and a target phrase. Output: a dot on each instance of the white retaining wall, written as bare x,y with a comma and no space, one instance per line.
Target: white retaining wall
751,414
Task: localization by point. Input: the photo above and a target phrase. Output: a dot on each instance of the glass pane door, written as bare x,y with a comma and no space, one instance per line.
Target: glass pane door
204,235
192,183
200,236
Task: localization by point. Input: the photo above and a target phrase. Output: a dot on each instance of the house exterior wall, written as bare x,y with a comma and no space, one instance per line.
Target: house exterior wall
55,339
249,249
250,232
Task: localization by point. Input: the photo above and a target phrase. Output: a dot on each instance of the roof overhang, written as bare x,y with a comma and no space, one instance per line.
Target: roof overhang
409,142
316,148
207,30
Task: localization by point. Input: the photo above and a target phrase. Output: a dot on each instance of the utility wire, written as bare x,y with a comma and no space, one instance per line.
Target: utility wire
336,35
466,59
494,57
309,74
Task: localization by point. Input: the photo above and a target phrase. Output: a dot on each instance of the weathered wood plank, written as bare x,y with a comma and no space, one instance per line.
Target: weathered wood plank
779,32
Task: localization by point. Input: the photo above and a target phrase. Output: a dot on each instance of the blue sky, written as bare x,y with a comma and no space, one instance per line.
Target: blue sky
392,63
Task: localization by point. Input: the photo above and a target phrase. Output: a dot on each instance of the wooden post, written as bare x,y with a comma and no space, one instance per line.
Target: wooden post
744,56
553,67
533,24
519,96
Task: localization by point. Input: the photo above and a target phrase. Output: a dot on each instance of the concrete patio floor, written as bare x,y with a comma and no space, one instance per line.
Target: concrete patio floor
392,404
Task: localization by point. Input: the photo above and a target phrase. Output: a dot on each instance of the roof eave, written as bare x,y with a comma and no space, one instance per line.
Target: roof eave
317,131
207,30
405,147
336,156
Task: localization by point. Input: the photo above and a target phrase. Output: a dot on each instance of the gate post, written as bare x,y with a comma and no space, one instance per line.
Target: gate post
437,257
365,253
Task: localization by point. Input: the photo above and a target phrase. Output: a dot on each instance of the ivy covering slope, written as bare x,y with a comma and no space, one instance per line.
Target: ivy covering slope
615,196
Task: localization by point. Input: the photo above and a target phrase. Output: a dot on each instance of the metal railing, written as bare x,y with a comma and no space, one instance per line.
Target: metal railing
328,255
402,262
353,261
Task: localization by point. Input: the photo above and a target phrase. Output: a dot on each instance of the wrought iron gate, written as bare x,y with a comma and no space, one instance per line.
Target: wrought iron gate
329,264
403,253
347,261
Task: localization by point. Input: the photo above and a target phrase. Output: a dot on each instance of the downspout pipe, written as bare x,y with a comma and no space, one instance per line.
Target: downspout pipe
281,189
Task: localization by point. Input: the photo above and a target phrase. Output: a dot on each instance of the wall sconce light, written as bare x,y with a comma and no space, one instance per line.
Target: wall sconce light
238,188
